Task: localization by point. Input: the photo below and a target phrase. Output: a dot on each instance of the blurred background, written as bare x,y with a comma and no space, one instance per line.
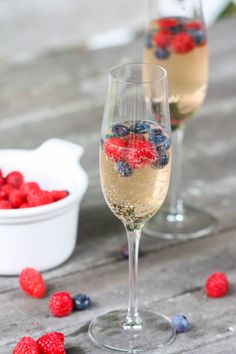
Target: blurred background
31,27
54,59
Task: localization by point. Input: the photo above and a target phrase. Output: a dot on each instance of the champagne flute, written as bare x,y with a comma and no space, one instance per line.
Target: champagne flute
135,156
176,39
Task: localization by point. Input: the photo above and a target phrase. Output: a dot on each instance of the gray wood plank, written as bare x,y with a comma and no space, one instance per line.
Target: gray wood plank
170,281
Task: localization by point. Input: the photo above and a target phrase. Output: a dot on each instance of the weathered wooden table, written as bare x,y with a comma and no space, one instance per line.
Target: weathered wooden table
62,95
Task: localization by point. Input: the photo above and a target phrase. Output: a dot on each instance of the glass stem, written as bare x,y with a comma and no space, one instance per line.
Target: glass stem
176,203
133,320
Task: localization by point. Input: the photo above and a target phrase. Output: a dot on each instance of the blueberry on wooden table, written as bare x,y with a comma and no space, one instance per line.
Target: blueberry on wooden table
81,302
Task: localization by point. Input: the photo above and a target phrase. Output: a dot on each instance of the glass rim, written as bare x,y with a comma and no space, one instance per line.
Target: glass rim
159,67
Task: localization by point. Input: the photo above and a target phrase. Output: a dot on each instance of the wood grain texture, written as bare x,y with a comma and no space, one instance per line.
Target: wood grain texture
62,95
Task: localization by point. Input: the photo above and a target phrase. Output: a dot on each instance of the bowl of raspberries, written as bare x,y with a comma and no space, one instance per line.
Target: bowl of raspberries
40,195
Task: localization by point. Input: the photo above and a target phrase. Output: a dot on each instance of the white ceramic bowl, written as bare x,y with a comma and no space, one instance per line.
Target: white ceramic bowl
42,237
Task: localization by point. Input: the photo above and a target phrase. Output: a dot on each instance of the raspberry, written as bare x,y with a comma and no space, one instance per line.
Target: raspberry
32,283
24,205
182,43
51,343
58,195
26,345
140,153
162,38
16,198
2,180
217,285
193,25
15,179
5,191
167,22
25,188
59,335
5,204
61,304
39,197
114,148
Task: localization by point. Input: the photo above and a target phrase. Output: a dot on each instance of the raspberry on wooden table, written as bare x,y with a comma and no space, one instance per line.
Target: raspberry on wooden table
26,345
32,283
51,343
61,304
217,285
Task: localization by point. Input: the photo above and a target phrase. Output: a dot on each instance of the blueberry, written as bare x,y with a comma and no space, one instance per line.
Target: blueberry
157,137
176,29
140,127
198,36
123,169
148,40
81,302
157,131
119,130
125,251
162,159
162,53
165,146
180,323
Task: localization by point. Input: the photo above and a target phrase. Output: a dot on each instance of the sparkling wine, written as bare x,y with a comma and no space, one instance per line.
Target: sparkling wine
135,177
180,46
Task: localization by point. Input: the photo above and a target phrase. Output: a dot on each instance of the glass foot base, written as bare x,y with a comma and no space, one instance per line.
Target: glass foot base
107,331
192,223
